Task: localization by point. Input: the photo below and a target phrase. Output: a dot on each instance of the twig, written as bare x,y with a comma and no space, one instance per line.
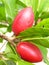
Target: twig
39,20
2,46
4,23
8,39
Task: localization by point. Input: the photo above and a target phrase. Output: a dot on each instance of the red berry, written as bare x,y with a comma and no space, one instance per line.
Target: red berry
23,20
29,52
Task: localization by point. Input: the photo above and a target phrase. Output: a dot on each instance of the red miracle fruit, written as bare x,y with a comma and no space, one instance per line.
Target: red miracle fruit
29,52
23,20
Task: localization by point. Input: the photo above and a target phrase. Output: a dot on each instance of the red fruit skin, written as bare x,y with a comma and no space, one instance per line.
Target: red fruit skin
23,20
29,52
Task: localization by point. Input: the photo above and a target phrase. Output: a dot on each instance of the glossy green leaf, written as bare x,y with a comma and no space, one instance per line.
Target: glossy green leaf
10,53
44,41
2,26
27,2
2,62
34,5
10,6
1,40
9,28
42,5
44,53
12,56
44,23
0,0
47,6
9,49
20,5
36,35
34,32
21,62
2,12
7,62
44,15
37,5
10,62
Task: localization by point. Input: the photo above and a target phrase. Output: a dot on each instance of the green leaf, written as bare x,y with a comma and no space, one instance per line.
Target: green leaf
44,15
1,40
34,32
44,23
20,5
26,2
44,53
2,26
10,62
7,62
36,35
12,56
2,12
9,28
10,6
37,6
10,53
2,62
44,41
9,49
42,5
0,0
47,7
22,62
34,4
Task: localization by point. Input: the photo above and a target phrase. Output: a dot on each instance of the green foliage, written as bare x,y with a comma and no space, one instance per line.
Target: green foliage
10,54
1,40
2,62
7,62
44,53
10,9
42,5
44,15
38,6
2,12
38,34
8,49
10,62
21,62
44,23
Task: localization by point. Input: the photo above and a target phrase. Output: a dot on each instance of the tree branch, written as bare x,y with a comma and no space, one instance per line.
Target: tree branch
8,39
4,23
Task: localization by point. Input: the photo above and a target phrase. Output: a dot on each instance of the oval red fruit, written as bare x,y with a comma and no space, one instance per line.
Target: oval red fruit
29,52
23,20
